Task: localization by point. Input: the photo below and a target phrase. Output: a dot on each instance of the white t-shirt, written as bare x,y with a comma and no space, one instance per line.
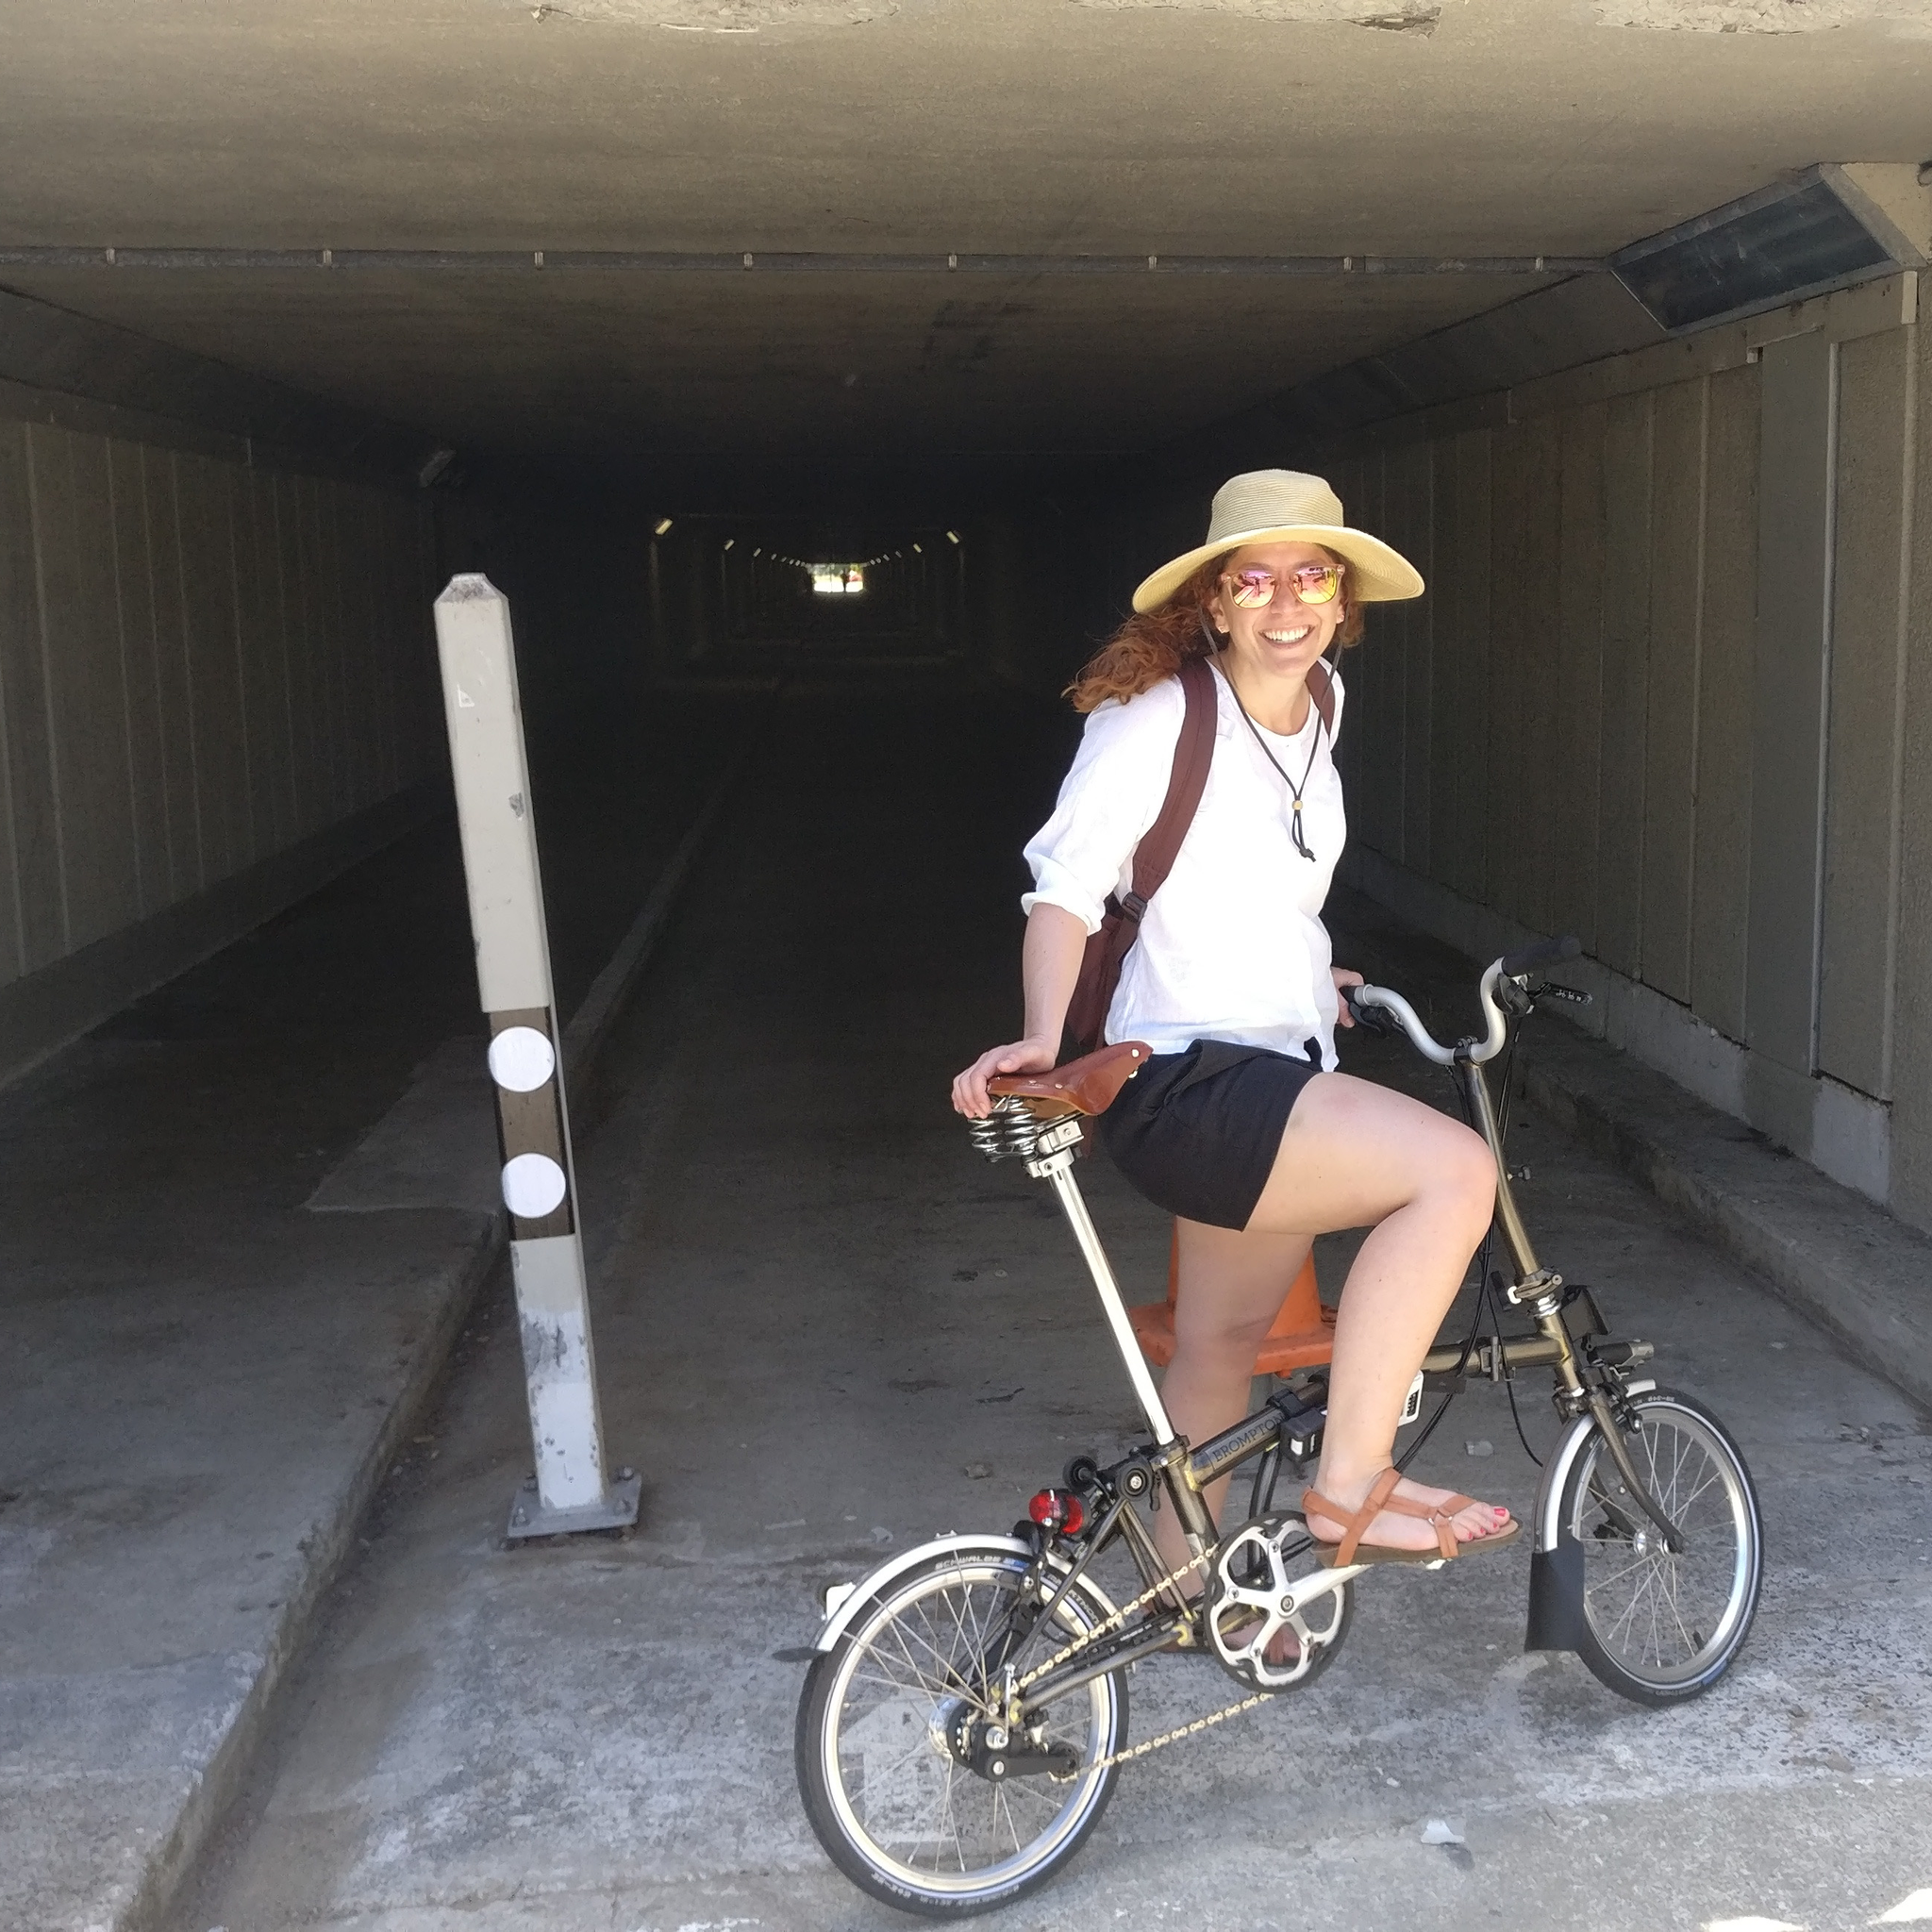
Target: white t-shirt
1232,946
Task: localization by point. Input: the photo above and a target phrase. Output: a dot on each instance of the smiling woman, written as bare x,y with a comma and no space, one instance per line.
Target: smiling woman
1239,1124
1154,644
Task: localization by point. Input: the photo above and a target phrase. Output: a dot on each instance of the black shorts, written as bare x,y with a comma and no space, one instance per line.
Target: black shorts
1197,1132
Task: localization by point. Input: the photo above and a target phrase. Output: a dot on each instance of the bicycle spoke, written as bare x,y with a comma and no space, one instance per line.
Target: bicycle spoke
1683,1513
1659,1614
949,1824
924,1664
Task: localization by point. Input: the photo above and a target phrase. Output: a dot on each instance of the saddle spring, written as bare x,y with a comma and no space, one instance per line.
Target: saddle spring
1009,1132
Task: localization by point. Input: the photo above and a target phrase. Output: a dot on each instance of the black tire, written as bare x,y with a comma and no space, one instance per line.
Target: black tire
880,1803
1658,1627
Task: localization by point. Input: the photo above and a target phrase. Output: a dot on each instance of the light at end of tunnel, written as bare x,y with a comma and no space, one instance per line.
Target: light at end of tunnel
663,527
951,536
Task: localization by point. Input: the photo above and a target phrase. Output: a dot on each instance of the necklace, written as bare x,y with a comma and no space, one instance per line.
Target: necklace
1300,843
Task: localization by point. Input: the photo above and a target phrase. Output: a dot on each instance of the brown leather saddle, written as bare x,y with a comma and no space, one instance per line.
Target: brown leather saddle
1089,1085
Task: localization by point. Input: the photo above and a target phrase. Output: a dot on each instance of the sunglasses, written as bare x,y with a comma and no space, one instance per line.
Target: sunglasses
1314,583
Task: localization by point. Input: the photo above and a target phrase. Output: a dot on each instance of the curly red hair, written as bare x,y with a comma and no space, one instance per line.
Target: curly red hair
1154,644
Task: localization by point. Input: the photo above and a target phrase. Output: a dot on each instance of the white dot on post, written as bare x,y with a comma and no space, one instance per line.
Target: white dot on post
533,1185
520,1060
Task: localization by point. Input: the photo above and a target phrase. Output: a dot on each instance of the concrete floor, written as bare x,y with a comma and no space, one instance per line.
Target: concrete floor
825,1330
198,1370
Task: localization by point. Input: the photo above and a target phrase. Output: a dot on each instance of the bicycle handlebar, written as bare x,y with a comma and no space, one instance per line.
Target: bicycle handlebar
1365,1000
1382,999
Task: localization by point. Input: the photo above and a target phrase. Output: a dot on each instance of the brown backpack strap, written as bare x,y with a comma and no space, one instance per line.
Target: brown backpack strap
1154,858
1321,689
1194,753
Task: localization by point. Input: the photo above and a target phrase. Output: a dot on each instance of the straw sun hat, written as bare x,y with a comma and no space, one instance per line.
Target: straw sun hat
1278,505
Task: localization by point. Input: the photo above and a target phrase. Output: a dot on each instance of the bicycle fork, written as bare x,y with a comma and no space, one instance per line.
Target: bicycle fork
1555,1572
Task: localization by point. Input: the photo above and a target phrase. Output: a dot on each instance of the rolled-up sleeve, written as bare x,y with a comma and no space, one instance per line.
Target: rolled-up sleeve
1106,804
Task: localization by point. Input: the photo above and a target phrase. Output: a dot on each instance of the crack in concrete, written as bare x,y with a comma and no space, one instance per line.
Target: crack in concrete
1417,17
1758,16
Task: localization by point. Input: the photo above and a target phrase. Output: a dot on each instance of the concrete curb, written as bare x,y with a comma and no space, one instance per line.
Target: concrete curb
56,1004
1837,1258
220,1780
584,1037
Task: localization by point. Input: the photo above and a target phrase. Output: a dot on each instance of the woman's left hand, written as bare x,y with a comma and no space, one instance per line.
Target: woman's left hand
1343,978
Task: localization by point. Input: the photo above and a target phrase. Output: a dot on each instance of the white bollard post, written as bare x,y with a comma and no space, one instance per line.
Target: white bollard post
570,1490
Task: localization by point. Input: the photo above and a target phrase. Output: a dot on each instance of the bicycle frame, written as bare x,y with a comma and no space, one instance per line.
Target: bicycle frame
1586,1389
959,1650
1182,1472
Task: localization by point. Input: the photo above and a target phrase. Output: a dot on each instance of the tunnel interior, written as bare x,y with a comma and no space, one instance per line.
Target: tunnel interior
816,379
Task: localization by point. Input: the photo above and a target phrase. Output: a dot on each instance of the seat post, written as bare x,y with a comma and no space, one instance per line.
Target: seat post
1059,1169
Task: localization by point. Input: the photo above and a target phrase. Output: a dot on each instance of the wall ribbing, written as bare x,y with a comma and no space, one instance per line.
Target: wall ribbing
203,665
1565,739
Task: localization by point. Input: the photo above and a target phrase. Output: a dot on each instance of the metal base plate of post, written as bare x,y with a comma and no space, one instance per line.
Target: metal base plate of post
617,1510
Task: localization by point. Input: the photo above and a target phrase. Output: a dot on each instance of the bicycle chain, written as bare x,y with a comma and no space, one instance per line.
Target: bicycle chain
1109,1623
1113,1623
1180,1731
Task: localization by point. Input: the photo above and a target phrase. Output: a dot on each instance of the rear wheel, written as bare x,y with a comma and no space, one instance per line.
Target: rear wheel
894,1807
1657,1625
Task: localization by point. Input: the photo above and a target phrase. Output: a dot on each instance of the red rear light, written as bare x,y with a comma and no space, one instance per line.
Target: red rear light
1058,1509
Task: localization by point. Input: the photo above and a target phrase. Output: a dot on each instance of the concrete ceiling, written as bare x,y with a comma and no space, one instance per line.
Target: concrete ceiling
1478,127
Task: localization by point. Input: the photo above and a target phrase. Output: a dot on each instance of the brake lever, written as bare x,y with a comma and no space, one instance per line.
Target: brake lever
1550,990
1515,998
1373,1020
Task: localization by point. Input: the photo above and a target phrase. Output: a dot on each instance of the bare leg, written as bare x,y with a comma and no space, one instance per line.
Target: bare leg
1356,1155
1232,1285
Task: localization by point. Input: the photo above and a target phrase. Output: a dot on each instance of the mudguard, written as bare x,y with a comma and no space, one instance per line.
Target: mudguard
952,1545
1555,1567
1549,1493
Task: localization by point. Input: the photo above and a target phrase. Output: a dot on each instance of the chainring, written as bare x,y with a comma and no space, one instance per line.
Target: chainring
1264,1579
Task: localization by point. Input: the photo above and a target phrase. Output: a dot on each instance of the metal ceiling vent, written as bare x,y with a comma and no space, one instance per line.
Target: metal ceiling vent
1798,238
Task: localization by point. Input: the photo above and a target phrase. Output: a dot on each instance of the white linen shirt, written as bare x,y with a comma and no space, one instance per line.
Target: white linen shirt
1232,946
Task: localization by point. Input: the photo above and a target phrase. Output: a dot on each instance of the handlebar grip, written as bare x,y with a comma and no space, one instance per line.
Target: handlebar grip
1545,952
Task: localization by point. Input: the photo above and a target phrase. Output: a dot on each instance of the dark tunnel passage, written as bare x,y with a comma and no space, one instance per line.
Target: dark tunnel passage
816,380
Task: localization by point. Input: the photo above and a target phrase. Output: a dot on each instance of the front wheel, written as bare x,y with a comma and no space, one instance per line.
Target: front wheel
1659,1626
892,1802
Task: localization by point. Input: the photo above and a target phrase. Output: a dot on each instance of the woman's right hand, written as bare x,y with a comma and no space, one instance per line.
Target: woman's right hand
970,1096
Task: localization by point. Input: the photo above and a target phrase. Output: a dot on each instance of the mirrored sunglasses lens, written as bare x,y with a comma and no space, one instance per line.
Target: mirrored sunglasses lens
1252,589
1317,583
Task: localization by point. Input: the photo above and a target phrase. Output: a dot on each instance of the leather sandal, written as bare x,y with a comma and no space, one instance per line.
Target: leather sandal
1382,1496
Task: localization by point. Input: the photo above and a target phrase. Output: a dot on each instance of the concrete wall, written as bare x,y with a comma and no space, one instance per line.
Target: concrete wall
217,686
1670,690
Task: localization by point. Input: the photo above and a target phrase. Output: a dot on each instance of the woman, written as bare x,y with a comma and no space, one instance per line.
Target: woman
1239,1125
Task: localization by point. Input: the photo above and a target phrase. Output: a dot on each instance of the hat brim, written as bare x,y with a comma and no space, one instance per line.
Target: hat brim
1377,572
